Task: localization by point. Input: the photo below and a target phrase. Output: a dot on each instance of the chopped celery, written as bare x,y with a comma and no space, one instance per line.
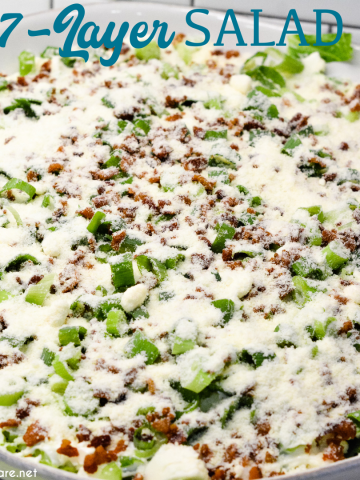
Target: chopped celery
316,210
20,185
168,71
200,381
110,471
74,361
26,63
215,103
303,291
336,254
308,269
72,334
139,343
4,295
152,50
59,387
185,52
61,370
8,399
115,322
69,62
182,345
36,294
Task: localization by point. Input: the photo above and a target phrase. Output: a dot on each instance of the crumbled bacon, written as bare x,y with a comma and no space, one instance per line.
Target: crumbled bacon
34,434
99,457
67,450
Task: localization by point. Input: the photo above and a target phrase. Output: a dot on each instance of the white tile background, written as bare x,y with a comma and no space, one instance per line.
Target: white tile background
349,9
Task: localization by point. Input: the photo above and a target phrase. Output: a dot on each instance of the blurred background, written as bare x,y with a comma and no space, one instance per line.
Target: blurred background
273,10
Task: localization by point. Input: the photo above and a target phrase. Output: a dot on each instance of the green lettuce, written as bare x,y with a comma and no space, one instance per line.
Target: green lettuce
340,52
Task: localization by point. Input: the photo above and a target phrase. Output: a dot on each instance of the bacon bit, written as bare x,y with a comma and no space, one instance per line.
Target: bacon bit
162,152
343,301
334,452
35,279
105,174
12,423
227,254
179,37
138,476
128,114
255,473
22,82
67,449
154,180
232,53
7,140
78,256
69,278
151,386
173,118
87,213
199,132
231,453
209,186
185,199
32,176
127,162
328,236
196,164
101,440
34,434
205,453
145,200
202,260
234,147
55,168
171,102
269,458
84,434
329,177
189,81
117,239
344,146
263,427
100,201
99,457
217,52
121,446
346,327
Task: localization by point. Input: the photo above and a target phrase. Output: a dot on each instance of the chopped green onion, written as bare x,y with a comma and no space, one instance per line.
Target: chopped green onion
152,265
50,52
139,343
308,269
24,104
72,334
26,63
36,294
212,135
47,200
20,185
316,210
116,319
61,370
122,271
47,356
74,361
15,215
14,265
290,145
227,308
68,61
96,221
59,387
221,161
8,399
152,50
225,232
141,127
106,102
